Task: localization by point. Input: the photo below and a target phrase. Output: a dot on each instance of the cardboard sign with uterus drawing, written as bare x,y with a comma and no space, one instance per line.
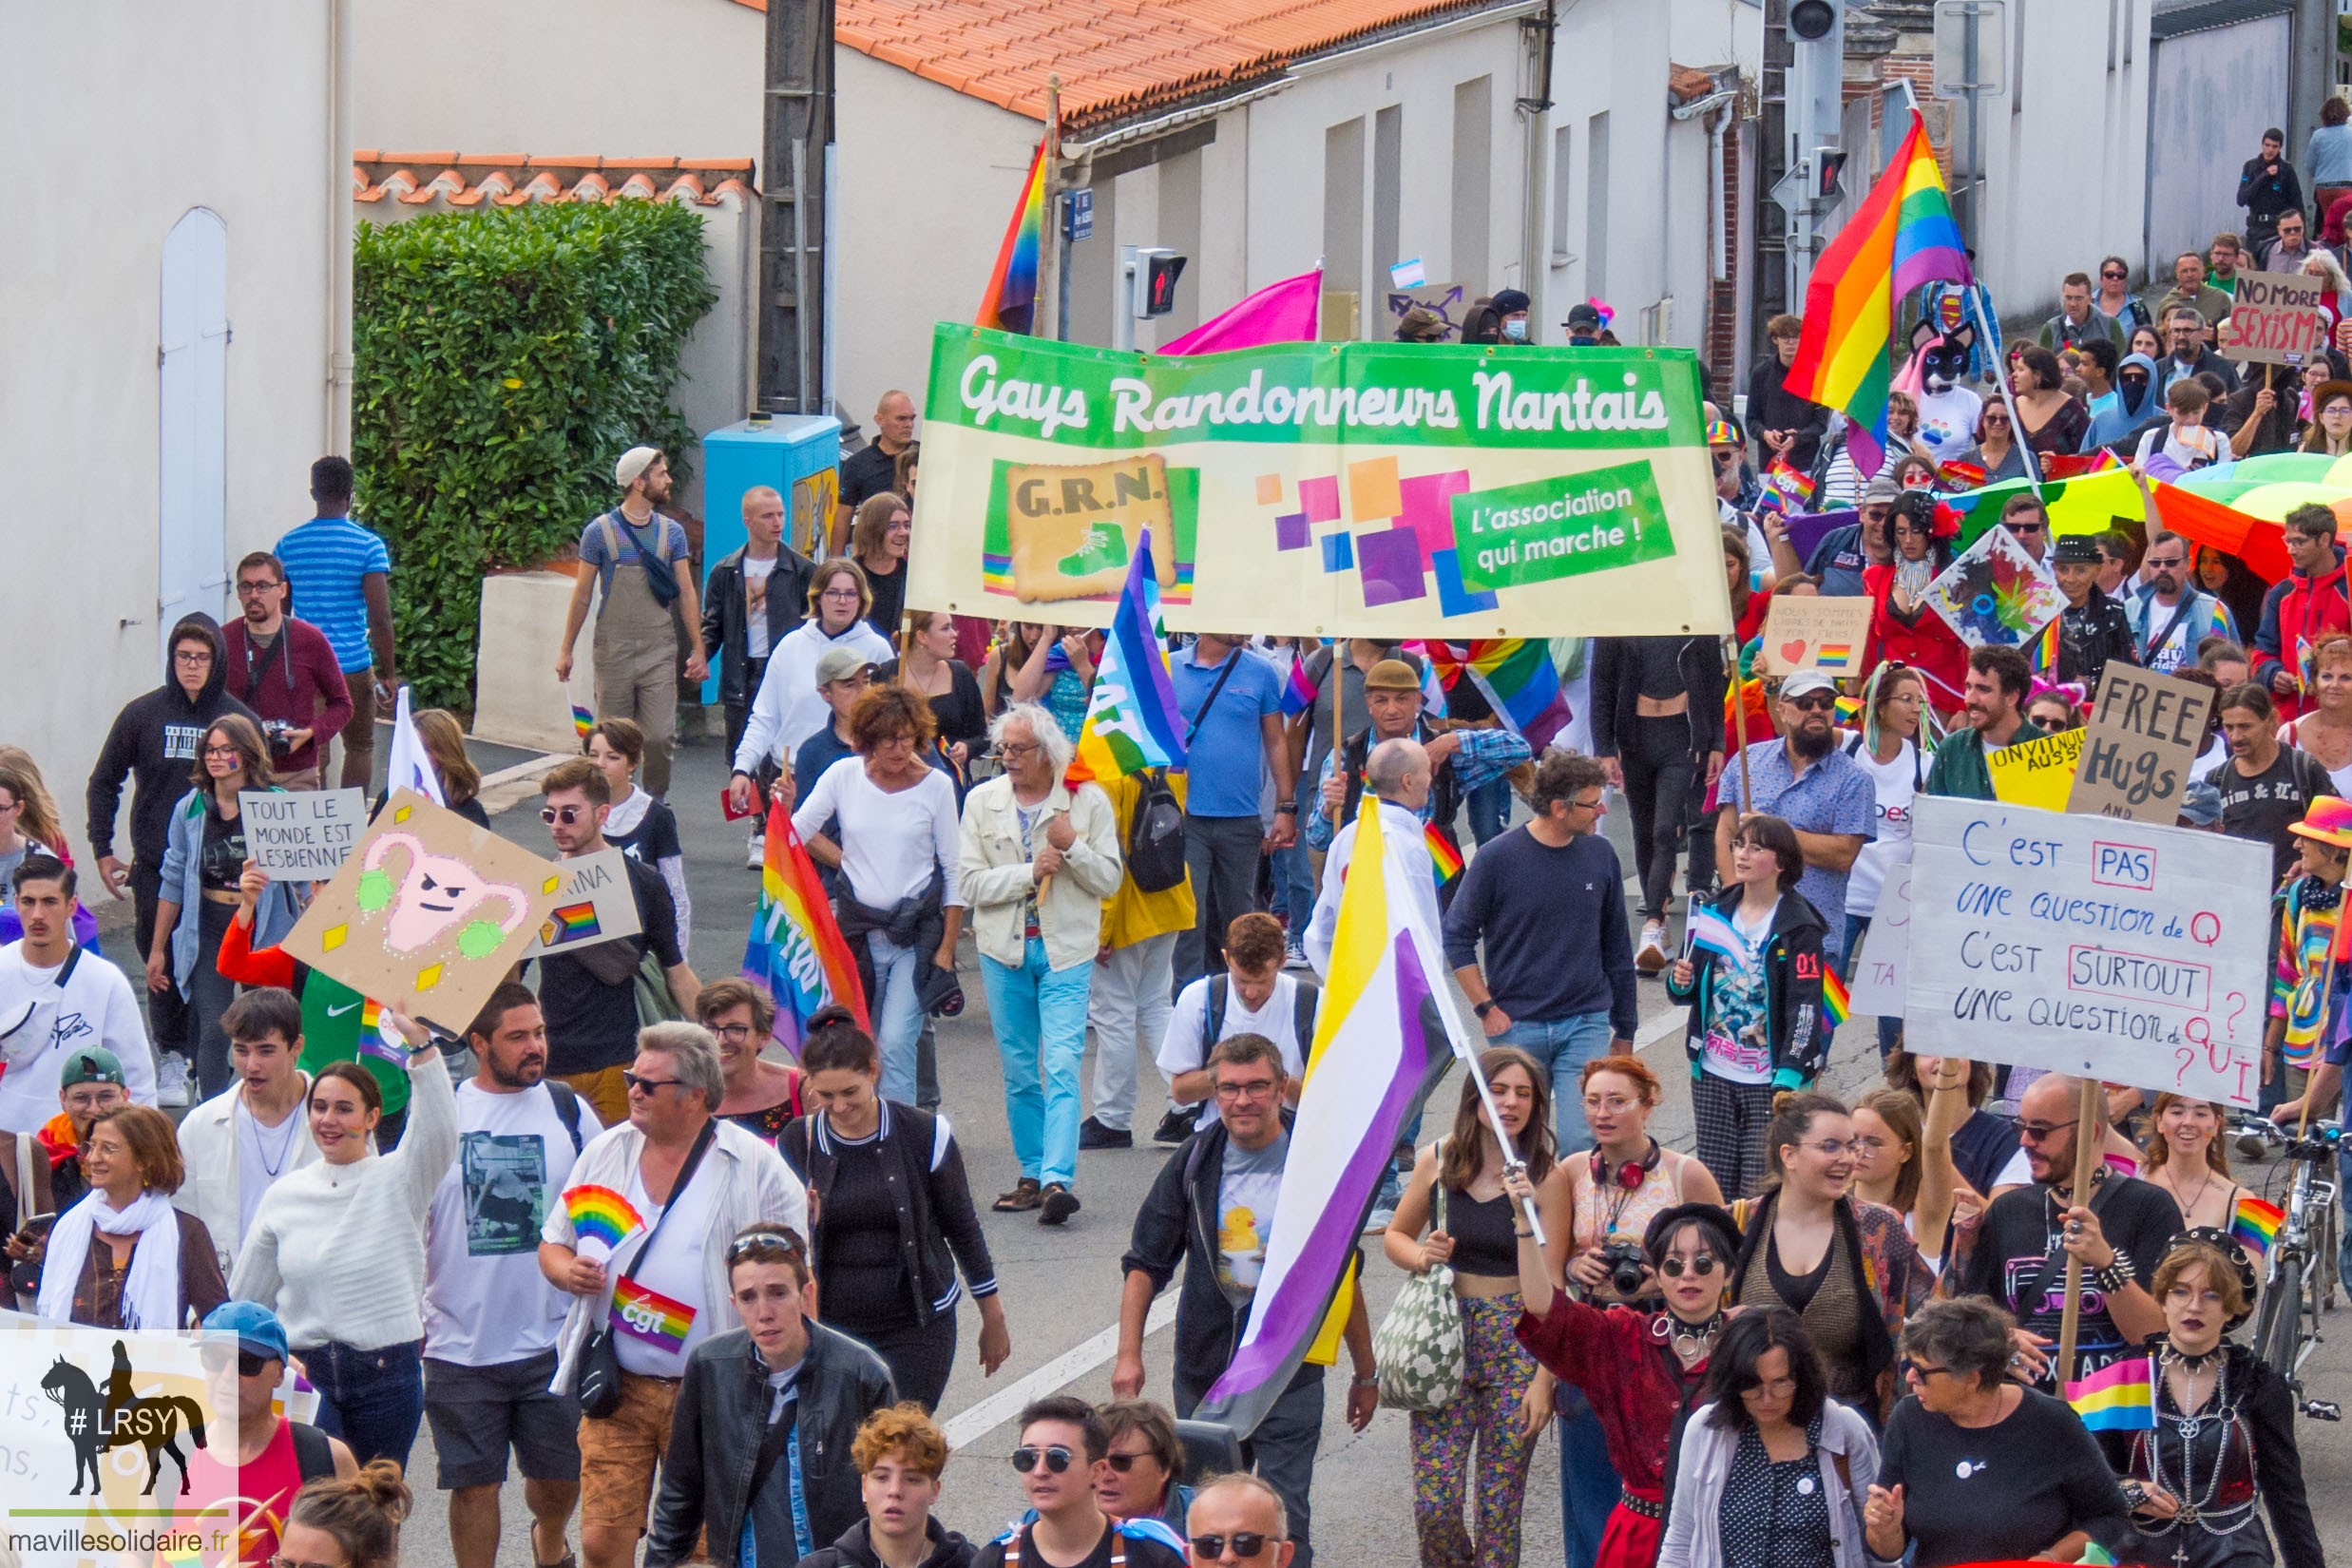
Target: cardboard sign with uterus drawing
429,914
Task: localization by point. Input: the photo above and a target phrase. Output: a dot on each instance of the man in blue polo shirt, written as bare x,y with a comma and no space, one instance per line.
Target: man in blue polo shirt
1233,705
1807,781
339,578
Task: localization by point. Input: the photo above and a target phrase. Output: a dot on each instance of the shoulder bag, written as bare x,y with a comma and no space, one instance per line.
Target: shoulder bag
1421,1347
598,1387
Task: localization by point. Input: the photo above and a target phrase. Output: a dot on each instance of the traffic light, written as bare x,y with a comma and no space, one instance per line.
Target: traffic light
1809,21
1156,274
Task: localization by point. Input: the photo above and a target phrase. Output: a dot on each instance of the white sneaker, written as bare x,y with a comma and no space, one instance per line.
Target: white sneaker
1650,956
171,1078
755,854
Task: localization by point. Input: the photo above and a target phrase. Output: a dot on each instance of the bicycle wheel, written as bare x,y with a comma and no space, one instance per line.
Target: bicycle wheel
2279,1329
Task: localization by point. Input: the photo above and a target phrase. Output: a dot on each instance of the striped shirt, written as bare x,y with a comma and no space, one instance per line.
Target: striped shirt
326,561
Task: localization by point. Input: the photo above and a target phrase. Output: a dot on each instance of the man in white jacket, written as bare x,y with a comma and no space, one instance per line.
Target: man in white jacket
1397,772
253,1132
54,996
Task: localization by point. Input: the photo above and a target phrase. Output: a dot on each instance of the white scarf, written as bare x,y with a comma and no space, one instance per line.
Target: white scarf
151,1293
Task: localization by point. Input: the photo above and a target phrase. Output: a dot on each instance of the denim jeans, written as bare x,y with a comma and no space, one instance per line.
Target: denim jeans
1039,1014
1295,888
1220,855
370,1398
1490,809
898,1015
1563,1047
1588,1485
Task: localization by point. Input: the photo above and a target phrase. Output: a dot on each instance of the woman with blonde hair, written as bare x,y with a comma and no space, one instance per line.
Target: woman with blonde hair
2323,730
879,536
1904,1160
445,747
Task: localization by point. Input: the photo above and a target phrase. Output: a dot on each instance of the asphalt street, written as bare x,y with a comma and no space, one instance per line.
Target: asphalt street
1061,1286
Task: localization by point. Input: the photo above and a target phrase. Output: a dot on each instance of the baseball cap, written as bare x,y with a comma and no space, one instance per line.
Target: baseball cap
2201,804
1880,488
1720,433
1582,315
1804,683
256,1327
839,664
1391,674
634,462
2078,549
90,1064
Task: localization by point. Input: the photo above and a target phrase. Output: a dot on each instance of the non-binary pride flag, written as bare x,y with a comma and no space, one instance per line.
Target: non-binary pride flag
1383,1034
1903,236
1011,304
795,951
1132,718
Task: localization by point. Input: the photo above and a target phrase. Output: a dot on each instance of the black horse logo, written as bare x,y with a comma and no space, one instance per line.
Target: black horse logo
96,1422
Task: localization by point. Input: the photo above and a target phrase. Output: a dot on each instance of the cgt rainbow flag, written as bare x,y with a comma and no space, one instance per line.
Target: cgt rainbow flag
795,951
1903,236
1384,1035
1132,718
1012,301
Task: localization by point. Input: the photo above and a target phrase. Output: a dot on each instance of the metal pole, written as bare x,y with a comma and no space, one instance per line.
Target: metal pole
1976,171
2000,384
1123,306
800,272
1510,1155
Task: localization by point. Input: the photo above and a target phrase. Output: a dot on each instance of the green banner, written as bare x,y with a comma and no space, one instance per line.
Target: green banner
1590,521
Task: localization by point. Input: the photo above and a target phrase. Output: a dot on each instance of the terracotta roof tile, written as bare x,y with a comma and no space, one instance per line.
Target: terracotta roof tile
1115,57
470,179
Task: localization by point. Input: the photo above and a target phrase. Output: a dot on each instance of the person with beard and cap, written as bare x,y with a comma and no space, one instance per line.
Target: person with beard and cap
2092,628
490,1317
2312,601
2115,421
2120,1231
1511,315
1802,776
1844,554
1736,494
1461,757
637,632
155,739
1786,425
1999,681
1583,326
2170,615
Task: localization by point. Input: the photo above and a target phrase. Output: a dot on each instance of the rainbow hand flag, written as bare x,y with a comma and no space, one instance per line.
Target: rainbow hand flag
1786,490
795,951
1133,721
1516,676
1011,304
601,1214
2256,1224
1444,853
2117,1398
2045,651
1834,1003
1299,693
583,720
1903,236
649,1315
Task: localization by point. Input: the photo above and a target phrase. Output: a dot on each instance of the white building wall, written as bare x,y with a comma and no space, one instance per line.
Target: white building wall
1611,59
219,104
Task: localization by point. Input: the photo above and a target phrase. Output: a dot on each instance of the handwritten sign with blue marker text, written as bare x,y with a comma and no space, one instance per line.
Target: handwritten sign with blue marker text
2093,946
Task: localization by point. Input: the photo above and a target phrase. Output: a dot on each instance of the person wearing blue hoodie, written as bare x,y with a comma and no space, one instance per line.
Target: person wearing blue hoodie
2114,419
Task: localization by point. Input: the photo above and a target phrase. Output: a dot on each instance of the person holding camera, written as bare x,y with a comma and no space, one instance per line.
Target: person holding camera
285,671
1457,1191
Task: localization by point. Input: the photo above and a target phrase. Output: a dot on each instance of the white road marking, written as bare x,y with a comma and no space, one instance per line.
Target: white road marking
1068,1367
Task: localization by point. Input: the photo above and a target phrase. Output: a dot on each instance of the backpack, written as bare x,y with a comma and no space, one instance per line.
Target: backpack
1155,843
568,1105
313,1452
1302,1013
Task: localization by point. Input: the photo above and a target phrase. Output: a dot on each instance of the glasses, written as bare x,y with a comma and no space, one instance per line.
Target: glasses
1780,1387
1057,1458
1724,460
1815,702
646,1085
283,1561
761,1240
838,593
2036,1131
227,754
248,1365
1246,1543
1017,748
8,806
252,590
1258,1089
1592,805
1921,1370
736,1032
1125,1462
565,815
2029,527
191,655
2115,276
1702,1266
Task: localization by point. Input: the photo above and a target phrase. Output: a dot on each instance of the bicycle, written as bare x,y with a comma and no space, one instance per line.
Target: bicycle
2300,1284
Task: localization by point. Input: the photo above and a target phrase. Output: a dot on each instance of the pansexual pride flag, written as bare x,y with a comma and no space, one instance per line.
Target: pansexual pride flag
1011,304
1132,718
1903,236
795,951
2120,1397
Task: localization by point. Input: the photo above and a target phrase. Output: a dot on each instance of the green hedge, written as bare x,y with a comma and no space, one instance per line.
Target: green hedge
503,360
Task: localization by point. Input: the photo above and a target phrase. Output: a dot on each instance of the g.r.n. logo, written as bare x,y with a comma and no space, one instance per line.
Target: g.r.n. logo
117,1418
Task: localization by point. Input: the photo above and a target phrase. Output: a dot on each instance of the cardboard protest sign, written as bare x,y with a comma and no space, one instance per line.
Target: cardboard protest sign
1886,961
429,914
2036,773
2141,734
302,837
1993,595
1807,632
593,905
2114,950
1375,489
2278,318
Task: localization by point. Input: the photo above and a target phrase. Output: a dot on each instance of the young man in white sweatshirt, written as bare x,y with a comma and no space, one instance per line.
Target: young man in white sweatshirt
242,1140
53,996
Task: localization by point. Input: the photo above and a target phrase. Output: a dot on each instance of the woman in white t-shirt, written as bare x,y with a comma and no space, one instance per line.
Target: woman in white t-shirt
897,856
2325,729
1887,748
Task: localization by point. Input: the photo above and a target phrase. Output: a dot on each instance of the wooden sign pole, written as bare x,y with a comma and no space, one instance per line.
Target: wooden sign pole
2090,1132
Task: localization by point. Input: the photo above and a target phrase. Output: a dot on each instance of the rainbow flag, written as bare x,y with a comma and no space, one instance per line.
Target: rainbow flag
1515,673
2045,654
1298,692
1834,656
2256,1223
1834,1003
795,951
599,1214
647,1314
1011,304
1444,853
2120,1397
1132,718
583,720
1960,474
570,923
1903,236
377,1037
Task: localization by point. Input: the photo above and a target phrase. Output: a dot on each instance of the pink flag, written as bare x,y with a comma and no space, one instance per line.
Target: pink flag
1279,312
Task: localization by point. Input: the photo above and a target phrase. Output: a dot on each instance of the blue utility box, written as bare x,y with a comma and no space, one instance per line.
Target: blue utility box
797,454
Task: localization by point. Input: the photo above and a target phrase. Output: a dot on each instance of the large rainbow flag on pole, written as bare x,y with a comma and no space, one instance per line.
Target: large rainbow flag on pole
1517,676
1903,236
796,953
1012,301
1133,721
1385,1034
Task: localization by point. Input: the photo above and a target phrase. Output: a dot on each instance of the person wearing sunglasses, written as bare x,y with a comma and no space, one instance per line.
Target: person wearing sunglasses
276,1455
694,1182
1145,1477
590,996
1238,1520
1994,704
759,1462
2115,300
1846,1266
2092,628
1062,1454
2170,613
788,708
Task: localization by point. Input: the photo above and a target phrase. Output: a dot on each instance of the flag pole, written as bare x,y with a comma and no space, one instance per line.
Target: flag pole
1511,1160
2090,1132
2000,384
